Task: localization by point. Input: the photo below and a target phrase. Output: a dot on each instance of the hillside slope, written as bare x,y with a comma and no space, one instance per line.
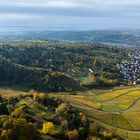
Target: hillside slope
57,65
37,78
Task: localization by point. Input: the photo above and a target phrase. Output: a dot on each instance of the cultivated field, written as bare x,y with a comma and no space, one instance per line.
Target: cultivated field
11,92
117,109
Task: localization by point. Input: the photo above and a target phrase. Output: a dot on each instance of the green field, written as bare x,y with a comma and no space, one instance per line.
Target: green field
116,109
84,79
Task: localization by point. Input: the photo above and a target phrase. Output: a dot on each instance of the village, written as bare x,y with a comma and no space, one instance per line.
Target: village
131,68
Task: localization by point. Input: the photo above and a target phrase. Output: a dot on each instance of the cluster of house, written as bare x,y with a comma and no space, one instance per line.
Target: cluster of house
131,68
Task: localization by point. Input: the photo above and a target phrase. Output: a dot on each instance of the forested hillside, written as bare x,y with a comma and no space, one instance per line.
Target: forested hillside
53,65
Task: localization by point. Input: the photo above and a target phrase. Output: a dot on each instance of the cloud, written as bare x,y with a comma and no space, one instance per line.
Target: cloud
15,16
75,7
49,3
70,12
40,3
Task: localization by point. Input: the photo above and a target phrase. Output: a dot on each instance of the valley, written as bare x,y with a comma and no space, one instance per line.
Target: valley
69,69
68,91
123,38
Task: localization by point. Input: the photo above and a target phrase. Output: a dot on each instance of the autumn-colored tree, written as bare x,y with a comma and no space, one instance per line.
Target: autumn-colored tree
106,134
18,129
48,128
73,135
83,117
42,98
6,135
61,108
19,112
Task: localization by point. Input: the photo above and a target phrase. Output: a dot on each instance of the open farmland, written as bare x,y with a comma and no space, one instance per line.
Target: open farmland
11,92
118,109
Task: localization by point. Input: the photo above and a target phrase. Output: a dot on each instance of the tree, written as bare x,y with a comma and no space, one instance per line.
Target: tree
61,108
19,112
18,129
1,99
83,117
48,128
6,135
73,135
3,109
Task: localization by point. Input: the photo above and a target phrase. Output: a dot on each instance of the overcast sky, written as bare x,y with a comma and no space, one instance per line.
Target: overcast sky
72,14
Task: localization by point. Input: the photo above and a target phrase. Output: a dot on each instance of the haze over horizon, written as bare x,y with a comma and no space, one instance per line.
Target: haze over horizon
71,14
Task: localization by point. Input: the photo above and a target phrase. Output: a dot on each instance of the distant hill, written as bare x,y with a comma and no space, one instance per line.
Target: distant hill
130,38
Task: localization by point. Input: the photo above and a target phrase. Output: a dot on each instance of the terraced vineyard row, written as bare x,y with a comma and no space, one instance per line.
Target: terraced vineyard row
118,110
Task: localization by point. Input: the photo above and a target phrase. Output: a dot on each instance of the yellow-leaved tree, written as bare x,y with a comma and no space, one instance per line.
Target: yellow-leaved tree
48,128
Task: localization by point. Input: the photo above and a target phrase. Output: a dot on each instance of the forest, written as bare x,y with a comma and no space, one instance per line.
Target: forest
52,65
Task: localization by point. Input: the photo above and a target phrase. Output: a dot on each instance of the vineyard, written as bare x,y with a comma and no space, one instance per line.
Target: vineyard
117,110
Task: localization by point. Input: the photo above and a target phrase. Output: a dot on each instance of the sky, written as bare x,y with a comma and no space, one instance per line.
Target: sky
71,14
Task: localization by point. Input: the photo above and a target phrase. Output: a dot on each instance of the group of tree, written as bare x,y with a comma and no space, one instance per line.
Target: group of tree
53,65
66,123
